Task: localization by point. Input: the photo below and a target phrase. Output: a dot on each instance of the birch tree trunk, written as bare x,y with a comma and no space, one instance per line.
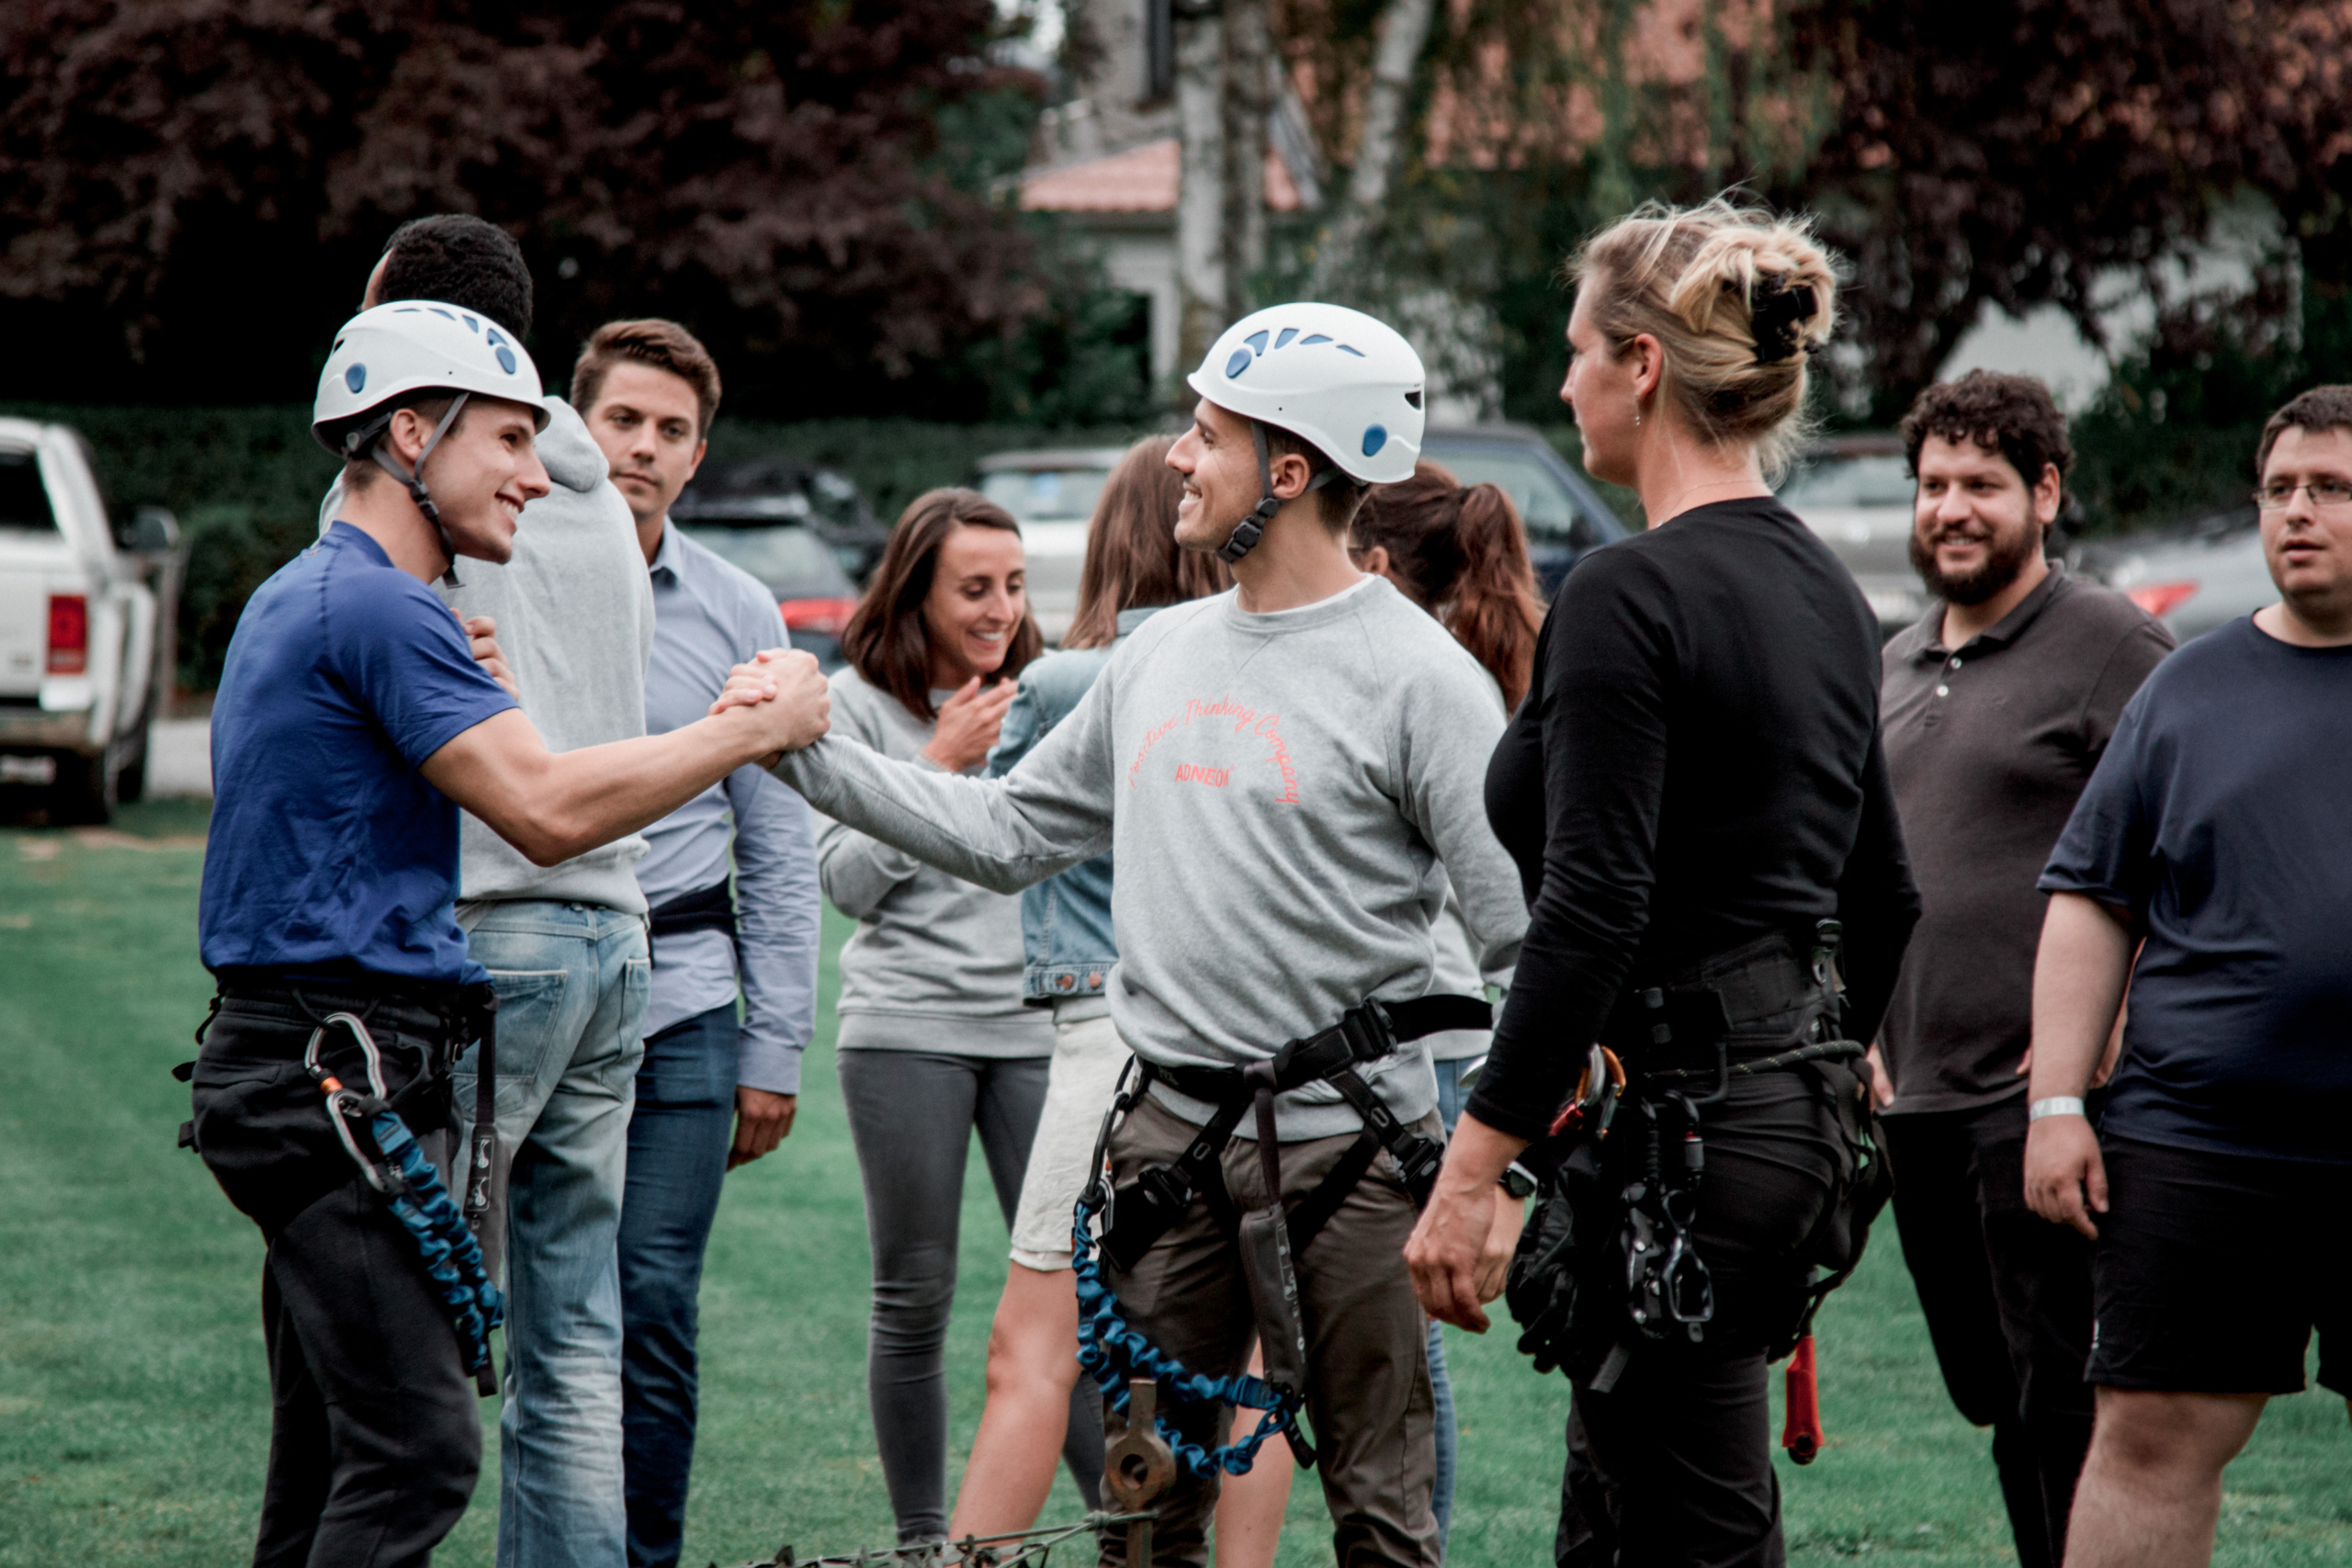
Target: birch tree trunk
1249,105
1201,287
1397,39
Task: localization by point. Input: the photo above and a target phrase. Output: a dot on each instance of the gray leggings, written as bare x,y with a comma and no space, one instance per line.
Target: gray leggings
911,1114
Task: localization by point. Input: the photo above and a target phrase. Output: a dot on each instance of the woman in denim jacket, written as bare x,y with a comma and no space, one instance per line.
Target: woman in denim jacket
1133,568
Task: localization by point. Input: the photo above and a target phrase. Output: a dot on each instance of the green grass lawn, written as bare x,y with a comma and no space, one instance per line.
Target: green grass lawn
133,1402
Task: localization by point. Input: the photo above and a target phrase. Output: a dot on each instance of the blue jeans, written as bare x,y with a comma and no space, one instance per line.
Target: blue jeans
678,1140
1450,1097
572,981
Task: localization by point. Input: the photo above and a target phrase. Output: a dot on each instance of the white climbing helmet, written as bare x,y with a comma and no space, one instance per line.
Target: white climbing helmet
414,345
410,347
1341,379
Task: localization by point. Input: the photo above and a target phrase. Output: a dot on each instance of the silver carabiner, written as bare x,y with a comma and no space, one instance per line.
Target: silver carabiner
358,1029
342,1104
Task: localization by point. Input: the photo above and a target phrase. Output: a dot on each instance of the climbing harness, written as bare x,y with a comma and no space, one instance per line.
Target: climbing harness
1118,1356
391,1161
1596,1236
1127,1223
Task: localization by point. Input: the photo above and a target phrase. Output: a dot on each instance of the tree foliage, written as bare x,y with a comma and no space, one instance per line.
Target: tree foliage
2012,153
191,190
2016,154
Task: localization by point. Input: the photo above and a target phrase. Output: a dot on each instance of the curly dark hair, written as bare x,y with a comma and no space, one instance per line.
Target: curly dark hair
2318,410
459,260
2013,414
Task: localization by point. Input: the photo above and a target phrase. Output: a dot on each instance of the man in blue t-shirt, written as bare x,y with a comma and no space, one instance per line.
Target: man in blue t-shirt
354,719
2214,837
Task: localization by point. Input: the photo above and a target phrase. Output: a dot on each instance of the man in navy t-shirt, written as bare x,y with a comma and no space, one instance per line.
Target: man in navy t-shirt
355,718
2215,836
345,676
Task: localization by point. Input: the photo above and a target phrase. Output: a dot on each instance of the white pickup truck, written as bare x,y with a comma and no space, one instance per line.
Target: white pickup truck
85,630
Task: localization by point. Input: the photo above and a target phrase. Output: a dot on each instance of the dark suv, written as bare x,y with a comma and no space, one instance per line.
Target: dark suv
804,532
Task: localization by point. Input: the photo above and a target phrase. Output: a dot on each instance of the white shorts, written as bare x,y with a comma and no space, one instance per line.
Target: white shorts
1087,1055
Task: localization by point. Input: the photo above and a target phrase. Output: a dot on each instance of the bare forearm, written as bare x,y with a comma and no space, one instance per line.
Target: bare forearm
2078,982
553,806
1477,1155
600,792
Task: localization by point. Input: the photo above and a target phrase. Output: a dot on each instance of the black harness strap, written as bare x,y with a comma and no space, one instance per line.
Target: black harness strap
1146,1208
481,1015
1315,1211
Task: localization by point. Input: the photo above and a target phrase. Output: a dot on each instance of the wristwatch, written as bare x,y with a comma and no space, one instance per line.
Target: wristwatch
1516,1180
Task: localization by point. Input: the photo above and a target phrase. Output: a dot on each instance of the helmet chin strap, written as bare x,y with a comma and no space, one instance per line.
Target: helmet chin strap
414,480
1250,529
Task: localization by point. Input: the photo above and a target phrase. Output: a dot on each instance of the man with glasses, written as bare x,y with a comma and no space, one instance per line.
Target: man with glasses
1998,704
2214,838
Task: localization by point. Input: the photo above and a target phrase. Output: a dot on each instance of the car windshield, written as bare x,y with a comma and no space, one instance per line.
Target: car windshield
1876,480
788,557
1046,495
1543,503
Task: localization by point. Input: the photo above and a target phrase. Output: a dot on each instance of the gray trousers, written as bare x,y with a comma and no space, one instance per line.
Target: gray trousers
911,1115
1368,1400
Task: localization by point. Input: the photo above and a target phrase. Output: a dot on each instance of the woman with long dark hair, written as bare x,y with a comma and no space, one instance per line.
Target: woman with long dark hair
1694,789
1460,552
1037,1403
935,1042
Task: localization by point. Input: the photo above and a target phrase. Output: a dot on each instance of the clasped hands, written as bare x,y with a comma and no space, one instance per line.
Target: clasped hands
789,678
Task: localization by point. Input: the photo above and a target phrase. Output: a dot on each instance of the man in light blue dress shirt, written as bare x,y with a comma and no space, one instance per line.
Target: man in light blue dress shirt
713,1093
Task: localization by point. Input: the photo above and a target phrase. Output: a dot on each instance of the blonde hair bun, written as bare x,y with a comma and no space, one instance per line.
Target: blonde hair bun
1737,297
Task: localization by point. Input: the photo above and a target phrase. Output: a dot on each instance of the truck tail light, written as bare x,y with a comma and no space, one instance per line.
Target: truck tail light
69,634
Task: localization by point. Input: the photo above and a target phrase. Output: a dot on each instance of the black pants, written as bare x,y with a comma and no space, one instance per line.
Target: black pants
375,1434
2007,1299
1672,1468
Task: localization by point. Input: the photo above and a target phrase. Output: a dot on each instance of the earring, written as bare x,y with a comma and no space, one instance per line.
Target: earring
1637,414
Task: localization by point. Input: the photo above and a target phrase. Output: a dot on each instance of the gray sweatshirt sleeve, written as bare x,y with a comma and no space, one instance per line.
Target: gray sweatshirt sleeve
858,872
1047,815
1446,735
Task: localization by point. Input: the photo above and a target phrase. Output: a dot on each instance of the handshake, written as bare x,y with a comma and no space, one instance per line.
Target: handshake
788,695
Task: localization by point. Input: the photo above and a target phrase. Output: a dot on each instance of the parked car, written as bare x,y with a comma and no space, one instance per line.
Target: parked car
803,531
1856,492
2193,577
1052,494
86,629
771,488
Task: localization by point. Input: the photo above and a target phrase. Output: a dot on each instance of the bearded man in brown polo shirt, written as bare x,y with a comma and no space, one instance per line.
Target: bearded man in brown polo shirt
1996,706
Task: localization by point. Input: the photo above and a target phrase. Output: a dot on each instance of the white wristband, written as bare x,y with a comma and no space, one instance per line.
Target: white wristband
2057,1105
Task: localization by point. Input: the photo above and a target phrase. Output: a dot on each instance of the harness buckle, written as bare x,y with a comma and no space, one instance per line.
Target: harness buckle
1369,1031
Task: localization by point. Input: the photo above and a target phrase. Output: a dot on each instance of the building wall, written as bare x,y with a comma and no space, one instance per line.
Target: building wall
1114,90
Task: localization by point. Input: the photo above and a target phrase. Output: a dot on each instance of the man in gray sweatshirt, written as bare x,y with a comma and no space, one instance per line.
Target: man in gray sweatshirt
565,947
1286,776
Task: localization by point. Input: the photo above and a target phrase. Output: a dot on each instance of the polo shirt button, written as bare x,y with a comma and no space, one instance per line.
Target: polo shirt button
1955,664
1944,691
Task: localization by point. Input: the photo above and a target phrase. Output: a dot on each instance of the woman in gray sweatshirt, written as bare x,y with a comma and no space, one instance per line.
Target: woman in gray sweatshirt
935,1040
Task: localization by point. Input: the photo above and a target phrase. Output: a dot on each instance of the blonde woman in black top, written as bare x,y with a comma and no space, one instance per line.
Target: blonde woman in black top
1693,784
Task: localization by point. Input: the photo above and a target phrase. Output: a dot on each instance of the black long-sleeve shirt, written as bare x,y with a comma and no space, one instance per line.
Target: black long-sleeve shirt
1697,764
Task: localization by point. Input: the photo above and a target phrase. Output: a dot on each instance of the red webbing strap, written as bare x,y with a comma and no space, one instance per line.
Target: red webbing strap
1801,1433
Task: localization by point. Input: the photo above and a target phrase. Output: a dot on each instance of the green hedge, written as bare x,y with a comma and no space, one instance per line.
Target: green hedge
245,483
